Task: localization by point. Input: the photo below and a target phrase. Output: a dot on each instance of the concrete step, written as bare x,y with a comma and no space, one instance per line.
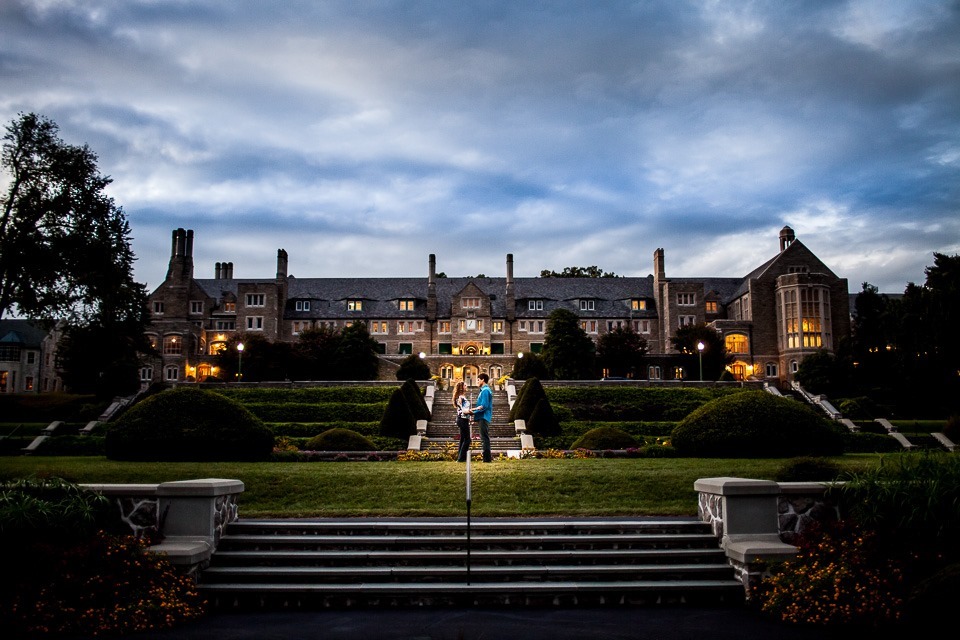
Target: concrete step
432,562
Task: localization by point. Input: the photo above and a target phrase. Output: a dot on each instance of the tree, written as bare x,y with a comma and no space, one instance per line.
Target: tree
261,360
568,351
314,355
529,366
65,255
714,355
621,351
578,272
357,355
64,244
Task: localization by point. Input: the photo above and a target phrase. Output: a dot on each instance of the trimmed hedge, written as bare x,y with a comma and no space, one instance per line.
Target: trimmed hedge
542,422
187,424
398,420
47,407
310,429
526,401
340,440
615,404
756,424
418,405
316,412
605,438
307,395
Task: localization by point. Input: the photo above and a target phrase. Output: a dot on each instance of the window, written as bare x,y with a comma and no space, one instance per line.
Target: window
379,327
354,305
794,366
444,326
255,323
405,348
587,305
641,326
255,299
230,307
172,345
402,327
171,373
217,347
736,343
614,324
589,326
536,347
444,348
302,305
158,308
536,326
535,305
300,325
146,374
9,353
470,303
152,339
28,383
225,325
678,373
523,325
196,306
688,321
711,306
31,357
496,349
406,305
497,326
638,305
798,269
771,369
686,299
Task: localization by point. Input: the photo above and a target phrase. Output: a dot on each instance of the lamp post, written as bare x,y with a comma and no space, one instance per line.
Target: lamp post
700,347
239,362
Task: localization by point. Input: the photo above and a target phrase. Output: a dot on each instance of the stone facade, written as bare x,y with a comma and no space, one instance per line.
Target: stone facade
28,357
770,319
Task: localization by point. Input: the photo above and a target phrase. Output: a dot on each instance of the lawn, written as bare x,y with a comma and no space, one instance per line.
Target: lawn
588,487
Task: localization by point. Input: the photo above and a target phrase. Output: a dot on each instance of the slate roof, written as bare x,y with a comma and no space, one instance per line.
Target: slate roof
23,332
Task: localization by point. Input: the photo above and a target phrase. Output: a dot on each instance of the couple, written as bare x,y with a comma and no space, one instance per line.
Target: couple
482,413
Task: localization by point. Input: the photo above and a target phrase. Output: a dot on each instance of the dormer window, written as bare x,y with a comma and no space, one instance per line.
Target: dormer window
587,305
638,305
354,305
405,305
302,305
470,303
535,305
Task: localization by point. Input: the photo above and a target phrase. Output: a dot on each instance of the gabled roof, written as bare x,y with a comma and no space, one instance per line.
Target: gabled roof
26,333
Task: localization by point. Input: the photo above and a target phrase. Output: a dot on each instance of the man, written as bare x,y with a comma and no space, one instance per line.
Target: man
483,413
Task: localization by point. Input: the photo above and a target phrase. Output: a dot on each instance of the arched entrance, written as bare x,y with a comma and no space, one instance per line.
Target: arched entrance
738,369
470,373
204,371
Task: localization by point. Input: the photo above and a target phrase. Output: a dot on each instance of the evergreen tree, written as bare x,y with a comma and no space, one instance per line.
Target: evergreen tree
414,367
568,351
621,351
714,356
357,354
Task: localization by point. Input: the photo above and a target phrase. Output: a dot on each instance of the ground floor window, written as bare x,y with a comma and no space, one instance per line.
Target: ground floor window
653,373
771,369
678,373
146,374
794,366
171,373
405,348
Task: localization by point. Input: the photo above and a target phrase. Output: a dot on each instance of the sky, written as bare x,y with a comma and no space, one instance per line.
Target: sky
362,136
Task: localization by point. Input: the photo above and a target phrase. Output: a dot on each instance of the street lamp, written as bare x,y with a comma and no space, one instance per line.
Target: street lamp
239,362
700,347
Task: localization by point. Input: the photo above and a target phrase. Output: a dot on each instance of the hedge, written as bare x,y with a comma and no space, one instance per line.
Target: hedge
308,395
633,404
316,412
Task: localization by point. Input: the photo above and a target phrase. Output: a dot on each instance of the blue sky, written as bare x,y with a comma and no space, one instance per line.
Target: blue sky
363,136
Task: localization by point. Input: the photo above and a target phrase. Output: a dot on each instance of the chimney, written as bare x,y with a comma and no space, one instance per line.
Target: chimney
281,265
181,257
510,303
228,271
658,268
218,273
432,289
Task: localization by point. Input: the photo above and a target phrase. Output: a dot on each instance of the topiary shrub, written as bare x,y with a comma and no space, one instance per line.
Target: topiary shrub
605,438
188,425
807,469
418,406
542,421
952,428
530,394
340,440
756,424
413,367
398,420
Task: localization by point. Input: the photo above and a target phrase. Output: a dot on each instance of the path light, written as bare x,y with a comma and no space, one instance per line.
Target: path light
239,362
700,347
422,355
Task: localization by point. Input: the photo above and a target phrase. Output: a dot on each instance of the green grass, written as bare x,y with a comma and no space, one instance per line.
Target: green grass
634,486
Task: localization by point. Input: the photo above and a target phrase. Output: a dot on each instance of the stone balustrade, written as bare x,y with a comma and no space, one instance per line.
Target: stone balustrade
757,521
187,517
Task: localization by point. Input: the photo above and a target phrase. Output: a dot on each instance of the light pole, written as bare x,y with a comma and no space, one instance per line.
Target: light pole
700,347
239,362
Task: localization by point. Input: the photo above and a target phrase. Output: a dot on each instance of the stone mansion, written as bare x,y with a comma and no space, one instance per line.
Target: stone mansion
770,319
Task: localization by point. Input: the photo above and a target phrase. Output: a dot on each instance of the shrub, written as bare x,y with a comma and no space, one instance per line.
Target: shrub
870,443
413,367
605,438
188,424
398,420
413,394
340,440
542,422
756,424
806,469
530,394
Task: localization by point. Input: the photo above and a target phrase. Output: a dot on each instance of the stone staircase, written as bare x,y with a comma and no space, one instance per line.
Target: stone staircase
512,562
442,429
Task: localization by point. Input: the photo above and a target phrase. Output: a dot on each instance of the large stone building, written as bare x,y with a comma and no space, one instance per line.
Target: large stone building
770,319
28,357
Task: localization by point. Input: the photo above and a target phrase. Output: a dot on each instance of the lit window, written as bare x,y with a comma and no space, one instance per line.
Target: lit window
230,307
711,307
217,347
470,303
254,323
152,339
354,305
158,308
638,305
686,299
736,343
255,299
172,345
444,326
406,305
196,306
587,305
497,326
678,373
535,305
302,305
28,383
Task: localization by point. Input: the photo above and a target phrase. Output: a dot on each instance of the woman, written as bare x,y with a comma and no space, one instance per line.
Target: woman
462,403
